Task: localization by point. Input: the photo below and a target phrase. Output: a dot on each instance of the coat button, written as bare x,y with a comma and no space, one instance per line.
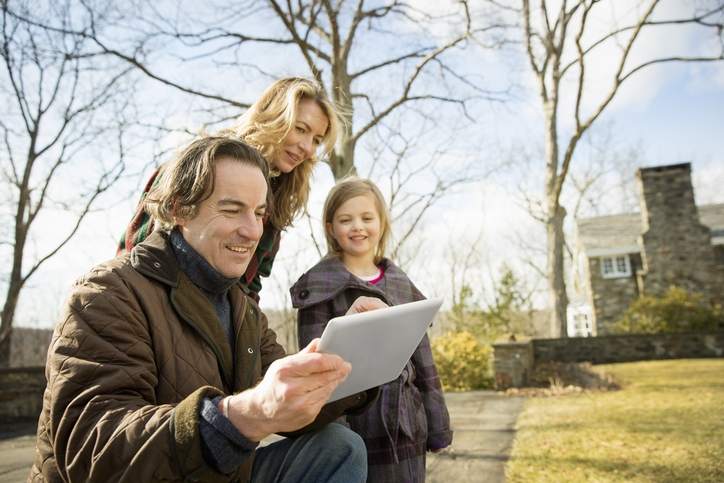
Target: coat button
304,294
250,350
156,264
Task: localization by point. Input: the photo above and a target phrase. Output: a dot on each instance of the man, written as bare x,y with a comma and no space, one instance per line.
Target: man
152,343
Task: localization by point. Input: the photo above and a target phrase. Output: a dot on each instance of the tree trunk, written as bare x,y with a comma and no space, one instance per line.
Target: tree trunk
16,282
555,268
342,160
556,214
6,326
11,302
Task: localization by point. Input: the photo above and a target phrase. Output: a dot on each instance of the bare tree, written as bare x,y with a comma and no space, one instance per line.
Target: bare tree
62,111
603,181
380,78
487,304
351,47
318,30
560,43
354,49
461,262
412,189
379,62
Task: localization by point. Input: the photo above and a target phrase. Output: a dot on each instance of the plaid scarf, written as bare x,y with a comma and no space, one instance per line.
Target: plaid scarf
261,262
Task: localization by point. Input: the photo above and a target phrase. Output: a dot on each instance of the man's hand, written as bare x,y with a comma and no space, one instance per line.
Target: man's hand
364,304
290,396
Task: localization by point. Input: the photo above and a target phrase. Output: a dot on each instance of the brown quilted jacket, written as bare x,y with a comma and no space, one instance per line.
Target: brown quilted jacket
137,349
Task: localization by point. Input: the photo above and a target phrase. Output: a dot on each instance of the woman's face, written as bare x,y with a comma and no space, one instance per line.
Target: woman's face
304,138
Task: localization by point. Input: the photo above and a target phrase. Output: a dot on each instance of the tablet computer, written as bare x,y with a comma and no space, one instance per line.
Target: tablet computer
377,343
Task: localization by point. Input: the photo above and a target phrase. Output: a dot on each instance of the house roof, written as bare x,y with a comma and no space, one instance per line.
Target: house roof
618,234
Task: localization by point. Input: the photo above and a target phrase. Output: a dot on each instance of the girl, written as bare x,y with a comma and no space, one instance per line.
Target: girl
410,416
287,124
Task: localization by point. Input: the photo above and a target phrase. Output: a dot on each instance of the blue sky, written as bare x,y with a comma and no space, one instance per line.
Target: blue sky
675,113
683,123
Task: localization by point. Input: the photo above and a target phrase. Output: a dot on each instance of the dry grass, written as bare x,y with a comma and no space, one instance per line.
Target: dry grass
665,425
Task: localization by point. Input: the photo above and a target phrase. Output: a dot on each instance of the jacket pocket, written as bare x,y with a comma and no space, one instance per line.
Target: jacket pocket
413,421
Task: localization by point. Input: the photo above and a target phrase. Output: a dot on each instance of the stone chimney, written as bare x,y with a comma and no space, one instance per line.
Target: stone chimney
676,247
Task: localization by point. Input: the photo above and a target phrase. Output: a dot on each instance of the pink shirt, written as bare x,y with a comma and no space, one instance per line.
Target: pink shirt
374,279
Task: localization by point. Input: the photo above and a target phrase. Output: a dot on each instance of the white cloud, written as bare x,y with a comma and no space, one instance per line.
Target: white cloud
708,179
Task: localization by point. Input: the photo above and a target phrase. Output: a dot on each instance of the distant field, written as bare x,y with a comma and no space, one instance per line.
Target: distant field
665,425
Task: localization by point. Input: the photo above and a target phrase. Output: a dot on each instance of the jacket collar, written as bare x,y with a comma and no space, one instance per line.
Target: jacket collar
329,277
198,269
155,259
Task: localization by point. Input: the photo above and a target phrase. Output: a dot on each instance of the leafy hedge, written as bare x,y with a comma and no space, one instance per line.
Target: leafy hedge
462,362
676,311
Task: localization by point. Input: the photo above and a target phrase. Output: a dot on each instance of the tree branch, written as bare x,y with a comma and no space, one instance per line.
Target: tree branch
132,60
405,97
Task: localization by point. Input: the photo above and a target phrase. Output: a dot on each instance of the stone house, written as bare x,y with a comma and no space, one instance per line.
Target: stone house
671,241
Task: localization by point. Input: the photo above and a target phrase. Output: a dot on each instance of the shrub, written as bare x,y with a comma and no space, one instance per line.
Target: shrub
676,311
462,362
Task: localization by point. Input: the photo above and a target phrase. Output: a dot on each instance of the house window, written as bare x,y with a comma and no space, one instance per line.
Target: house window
615,267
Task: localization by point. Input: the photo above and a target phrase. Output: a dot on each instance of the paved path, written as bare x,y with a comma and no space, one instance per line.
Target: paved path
484,424
17,446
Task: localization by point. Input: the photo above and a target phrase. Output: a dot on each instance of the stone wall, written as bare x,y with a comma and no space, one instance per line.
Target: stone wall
628,348
515,362
719,253
611,296
21,393
29,347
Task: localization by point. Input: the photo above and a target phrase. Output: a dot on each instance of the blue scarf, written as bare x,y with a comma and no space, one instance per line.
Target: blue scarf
211,283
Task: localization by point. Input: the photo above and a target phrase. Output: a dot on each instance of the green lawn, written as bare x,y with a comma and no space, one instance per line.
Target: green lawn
665,425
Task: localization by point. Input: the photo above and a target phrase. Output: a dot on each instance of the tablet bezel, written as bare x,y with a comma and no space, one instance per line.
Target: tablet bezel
378,343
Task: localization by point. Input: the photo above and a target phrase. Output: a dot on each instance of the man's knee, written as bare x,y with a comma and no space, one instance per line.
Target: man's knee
331,454
339,454
342,439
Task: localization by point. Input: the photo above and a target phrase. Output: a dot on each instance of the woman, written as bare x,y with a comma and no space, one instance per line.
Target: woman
287,124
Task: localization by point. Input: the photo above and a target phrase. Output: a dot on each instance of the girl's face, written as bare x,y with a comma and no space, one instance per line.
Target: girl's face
356,227
302,141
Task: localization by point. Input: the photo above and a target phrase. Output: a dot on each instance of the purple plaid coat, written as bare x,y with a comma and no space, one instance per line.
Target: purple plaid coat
410,416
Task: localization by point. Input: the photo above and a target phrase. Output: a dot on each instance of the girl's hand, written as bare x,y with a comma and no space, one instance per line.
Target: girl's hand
364,304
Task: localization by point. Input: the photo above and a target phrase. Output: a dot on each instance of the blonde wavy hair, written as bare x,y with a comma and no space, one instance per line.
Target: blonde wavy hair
345,190
265,126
